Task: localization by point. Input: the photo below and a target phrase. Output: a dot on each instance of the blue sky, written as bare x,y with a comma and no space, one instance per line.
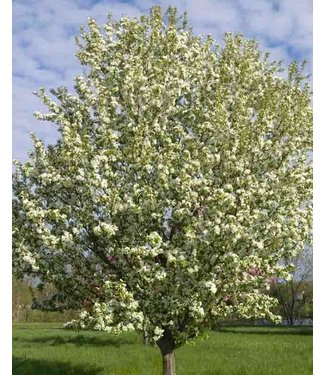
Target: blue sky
44,30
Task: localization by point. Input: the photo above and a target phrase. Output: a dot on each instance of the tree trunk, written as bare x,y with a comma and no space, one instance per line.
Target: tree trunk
169,364
291,320
167,345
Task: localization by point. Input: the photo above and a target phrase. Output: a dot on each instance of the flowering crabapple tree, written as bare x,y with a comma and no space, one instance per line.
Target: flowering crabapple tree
180,180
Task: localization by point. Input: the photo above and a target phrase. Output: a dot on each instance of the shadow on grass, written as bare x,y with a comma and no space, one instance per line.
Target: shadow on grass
43,328
79,340
23,366
303,331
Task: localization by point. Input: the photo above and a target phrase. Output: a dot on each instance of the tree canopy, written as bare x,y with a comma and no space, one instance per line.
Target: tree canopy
180,180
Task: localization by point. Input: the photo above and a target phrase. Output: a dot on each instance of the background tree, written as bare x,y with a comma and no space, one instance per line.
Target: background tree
36,302
295,295
179,181
21,300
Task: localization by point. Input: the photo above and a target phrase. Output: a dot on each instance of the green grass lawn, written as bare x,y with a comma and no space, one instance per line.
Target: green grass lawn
48,349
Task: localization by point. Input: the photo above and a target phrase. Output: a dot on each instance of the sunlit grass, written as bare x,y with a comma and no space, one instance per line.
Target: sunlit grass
49,349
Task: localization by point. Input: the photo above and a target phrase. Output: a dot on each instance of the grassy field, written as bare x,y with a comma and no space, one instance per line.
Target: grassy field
47,349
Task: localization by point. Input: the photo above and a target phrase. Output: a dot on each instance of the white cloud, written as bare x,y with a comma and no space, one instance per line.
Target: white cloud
223,14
